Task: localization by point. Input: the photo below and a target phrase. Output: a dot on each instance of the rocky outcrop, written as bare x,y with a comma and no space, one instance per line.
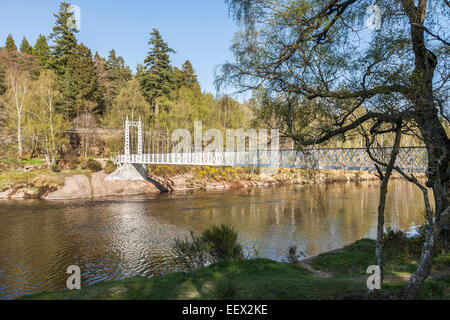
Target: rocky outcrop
75,187
81,187
101,187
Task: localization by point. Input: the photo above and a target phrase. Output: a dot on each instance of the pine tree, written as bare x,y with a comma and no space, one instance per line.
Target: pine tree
80,82
42,51
118,73
157,78
10,44
189,76
25,46
63,37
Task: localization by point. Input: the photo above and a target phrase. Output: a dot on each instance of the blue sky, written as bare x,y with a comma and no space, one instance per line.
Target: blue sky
199,30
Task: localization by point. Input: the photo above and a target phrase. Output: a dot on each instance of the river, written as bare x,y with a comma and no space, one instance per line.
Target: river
113,238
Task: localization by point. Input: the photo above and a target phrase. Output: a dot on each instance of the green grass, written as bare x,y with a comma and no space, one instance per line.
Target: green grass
38,177
355,258
257,279
267,279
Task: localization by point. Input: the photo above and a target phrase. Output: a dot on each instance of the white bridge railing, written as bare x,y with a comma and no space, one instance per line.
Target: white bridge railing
410,159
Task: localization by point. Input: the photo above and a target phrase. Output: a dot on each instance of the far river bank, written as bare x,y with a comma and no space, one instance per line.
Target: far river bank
44,184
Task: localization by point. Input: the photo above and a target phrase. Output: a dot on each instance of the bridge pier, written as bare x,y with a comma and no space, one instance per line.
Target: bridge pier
129,171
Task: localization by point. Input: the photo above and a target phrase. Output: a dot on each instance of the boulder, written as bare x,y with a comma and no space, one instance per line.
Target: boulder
75,187
5,194
102,186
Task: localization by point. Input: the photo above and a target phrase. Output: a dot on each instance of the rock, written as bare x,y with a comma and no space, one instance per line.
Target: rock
18,195
5,194
75,187
102,187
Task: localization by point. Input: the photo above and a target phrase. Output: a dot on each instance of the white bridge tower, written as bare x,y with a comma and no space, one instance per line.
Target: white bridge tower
129,124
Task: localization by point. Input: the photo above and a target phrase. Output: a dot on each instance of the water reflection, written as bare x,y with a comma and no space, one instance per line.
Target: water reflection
116,238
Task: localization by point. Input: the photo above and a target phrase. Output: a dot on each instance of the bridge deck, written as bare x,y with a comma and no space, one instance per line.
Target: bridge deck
410,159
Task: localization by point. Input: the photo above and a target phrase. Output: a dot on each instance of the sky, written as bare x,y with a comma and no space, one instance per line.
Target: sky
200,30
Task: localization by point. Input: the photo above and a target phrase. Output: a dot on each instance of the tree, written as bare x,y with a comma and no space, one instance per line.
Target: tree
63,38
157,78
47,125
25,46
42,51
10,44
307,56
16,95
130,102
118,73
80,82
189,76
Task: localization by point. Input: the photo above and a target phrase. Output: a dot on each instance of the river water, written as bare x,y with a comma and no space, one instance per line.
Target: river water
113,238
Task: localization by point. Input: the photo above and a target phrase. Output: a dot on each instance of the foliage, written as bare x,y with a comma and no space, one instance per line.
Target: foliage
222,244
10,44
157,77
42,51
292,254
216,244
25,46
64,39
80,82
110,167
190,253
93,165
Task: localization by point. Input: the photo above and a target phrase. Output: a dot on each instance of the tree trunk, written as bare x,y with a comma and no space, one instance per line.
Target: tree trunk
19,136
435,139
382,204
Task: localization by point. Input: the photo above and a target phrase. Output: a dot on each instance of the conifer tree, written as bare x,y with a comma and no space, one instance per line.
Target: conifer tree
80,82
189,76
64,39
118,73
25,46
157,78
42,51
10,44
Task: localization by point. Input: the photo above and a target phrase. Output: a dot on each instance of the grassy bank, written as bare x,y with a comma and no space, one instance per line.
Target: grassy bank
333,275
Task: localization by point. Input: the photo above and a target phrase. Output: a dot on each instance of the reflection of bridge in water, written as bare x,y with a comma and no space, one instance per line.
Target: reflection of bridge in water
410,159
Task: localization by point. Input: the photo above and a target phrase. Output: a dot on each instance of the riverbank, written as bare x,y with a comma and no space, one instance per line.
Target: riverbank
339,274
39,182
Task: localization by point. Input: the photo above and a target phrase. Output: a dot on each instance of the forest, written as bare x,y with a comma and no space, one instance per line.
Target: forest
59,98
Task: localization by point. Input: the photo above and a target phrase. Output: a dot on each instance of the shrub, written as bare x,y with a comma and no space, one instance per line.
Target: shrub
292,255
110,167
54,168
93,165
190,253
216,244
222,243
395,238
226,289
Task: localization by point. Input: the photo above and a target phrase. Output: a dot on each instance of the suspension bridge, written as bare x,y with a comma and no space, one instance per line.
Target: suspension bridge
409,159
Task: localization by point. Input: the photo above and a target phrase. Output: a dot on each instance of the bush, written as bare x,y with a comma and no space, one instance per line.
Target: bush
190,253
110,167
292,255
222,243
216,244
93,165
